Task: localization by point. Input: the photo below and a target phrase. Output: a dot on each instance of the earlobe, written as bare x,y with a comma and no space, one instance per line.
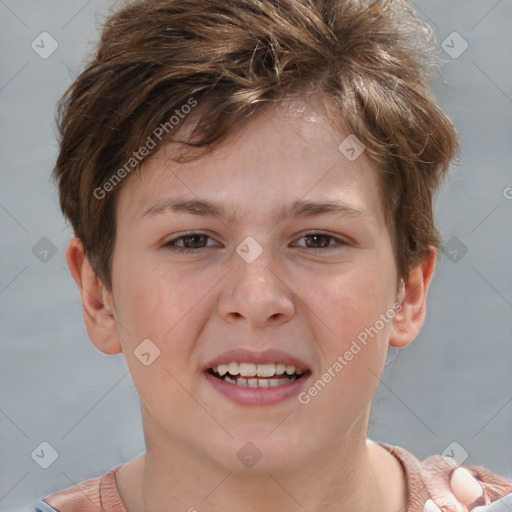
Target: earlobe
97,304
412,297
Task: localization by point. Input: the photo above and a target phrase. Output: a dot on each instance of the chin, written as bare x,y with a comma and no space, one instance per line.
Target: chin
255,450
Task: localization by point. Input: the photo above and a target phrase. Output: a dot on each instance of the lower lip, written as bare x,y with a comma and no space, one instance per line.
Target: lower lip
257,396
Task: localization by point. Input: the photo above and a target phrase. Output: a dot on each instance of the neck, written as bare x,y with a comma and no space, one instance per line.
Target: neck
354,475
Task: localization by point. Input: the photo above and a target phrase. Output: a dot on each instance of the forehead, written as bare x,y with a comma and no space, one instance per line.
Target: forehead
278,156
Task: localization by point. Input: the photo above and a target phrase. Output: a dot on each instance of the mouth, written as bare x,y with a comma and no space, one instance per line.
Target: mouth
257,378
251,375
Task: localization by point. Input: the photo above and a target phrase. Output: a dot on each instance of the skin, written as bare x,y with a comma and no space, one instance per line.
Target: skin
309,302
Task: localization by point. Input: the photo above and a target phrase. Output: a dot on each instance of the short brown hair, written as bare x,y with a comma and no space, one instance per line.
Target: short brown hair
372,59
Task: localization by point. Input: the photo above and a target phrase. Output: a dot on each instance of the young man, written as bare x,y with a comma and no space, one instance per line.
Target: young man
250,185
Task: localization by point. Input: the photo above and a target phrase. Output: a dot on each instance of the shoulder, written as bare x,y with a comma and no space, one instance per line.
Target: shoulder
430,479
439,470
99,494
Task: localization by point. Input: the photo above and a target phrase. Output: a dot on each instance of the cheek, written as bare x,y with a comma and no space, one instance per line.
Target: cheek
355,348
355,344
168,306
152,296
161,306
350,302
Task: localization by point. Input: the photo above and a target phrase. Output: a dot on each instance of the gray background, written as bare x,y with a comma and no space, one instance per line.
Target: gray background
452,384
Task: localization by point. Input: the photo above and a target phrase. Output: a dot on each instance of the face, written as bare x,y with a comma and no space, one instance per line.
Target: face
272,249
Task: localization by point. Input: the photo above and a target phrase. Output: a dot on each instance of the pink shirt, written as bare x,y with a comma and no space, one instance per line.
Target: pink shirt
425,480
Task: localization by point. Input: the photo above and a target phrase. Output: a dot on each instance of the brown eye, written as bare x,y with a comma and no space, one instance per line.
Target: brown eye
317,241
194,241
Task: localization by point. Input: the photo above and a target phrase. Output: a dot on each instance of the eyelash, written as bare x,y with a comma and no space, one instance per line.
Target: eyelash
171,244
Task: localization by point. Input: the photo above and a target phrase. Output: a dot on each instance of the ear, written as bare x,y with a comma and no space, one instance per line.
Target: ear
413,297
97,302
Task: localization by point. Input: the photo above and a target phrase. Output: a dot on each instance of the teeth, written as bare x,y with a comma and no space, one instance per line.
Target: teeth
258,383
257,370
230,380
266,370
222,369
290,370
253,383
247,369
233,368
280,368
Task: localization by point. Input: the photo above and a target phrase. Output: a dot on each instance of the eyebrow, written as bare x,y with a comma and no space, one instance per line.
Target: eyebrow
205,208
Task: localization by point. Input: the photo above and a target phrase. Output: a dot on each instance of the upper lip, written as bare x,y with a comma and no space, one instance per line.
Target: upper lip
241,355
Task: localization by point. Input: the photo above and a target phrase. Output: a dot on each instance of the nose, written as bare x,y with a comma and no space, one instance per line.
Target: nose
256,293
